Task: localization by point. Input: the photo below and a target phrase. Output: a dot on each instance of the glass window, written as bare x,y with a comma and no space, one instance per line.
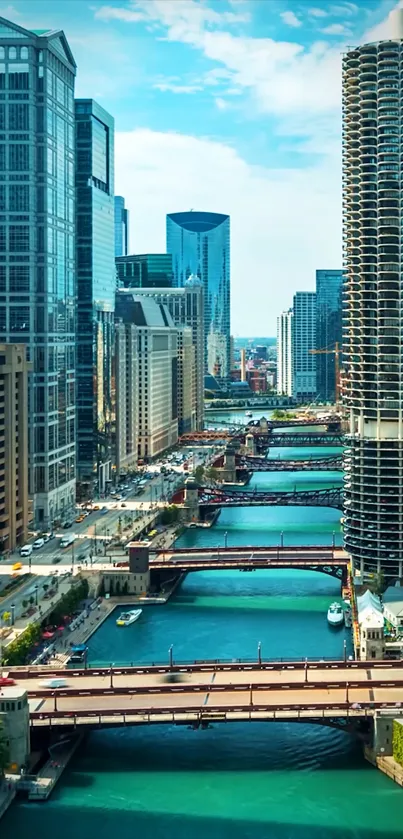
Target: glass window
18,157
19,238
18,116
24,52
19,278
2,52
18,76
40,56
12,52
19,318
19,198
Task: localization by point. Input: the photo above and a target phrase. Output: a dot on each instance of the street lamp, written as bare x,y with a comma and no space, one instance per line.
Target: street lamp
12,607
281,539
259,652
171,655
225,539
36,595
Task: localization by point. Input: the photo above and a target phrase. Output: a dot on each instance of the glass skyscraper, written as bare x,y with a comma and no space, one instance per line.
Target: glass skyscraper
328,329
200,245
121,227
37,257
95,290
144,270
303,341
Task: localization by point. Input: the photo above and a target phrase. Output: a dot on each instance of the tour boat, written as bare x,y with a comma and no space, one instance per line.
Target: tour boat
126,618
335,614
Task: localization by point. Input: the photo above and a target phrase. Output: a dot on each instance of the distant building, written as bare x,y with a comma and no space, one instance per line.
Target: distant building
200,245
121,227
257,381
95,291
329,284
145,270
126,364
186,308
157,384
303,341
284,353
13,446
261,353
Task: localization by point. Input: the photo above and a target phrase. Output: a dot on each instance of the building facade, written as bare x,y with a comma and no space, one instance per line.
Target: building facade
329,287
95,292
303,341
284,353
13,446
157,372
372,384
126,383
186,307
121,227
200,246
145,270
37,268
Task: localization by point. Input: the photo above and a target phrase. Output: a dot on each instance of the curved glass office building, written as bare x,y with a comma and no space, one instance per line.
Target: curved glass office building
200,245
373,196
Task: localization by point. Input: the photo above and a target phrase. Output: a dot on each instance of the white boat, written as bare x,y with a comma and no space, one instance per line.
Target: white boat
248,414
335,614
126,618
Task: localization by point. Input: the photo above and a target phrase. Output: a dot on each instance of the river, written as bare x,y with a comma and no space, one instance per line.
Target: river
234,781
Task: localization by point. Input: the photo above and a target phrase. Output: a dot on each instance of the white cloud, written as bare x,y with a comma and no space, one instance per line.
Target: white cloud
387,28
314,12
221,104
335,29
290,19
349,9
173,87
284,222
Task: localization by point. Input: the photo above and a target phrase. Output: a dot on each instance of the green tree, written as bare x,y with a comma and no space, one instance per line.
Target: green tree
25,604
211,475
378,584
6,618
4,750
199,474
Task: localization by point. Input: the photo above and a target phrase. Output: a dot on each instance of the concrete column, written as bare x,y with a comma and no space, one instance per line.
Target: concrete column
229,469
382,735
139,556
191,502
263,424
250,445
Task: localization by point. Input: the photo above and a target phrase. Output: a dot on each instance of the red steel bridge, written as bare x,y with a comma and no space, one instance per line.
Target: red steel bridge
265,440
222,497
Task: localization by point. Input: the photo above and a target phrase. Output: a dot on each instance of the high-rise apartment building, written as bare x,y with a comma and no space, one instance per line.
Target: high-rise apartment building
186,307
37,270
373,358
121,227
303,341
13,446
329,285
157,389
284,353
126,383
200,245
95,291
144,270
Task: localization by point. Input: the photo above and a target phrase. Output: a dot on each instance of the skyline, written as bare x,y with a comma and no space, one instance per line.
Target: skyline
200,125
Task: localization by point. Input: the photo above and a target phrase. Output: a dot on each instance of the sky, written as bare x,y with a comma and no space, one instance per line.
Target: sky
229,106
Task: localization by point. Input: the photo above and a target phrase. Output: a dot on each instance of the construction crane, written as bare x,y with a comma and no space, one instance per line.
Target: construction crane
336,352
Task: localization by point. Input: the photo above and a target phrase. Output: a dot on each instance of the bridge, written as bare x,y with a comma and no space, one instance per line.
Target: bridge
263,464
265,440
327,560
333,693
206,496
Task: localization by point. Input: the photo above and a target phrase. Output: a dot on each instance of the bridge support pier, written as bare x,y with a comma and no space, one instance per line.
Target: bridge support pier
191,508
228,472
264,425
250,445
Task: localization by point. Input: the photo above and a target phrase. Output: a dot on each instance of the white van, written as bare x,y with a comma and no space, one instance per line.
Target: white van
66,541
26,550
53,683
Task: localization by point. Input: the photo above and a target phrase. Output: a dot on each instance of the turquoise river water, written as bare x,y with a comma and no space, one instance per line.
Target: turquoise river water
233,781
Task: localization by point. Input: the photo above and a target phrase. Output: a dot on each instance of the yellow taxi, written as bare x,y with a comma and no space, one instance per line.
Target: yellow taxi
17,566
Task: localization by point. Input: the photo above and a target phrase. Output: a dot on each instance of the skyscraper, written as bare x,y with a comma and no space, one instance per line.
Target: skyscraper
304,340
329,285
372,389
144,270
37,270
185,305
95,290
284,353
200,245
121,227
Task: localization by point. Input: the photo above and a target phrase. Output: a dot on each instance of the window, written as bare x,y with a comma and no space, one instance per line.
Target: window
18,117
24,54
19,278
19,318
18,76
2,238
19,198
12,52
19,238
18,157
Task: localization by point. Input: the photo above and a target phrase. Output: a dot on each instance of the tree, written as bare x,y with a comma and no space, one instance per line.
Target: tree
378,584
4,750
211,475
25,604
199,474
6,617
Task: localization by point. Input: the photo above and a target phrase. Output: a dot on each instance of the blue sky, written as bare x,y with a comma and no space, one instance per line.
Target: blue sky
231,106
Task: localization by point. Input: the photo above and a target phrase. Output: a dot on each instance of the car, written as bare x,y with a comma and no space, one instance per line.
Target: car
79,519
67,524
53,683
39,543
48,536
6,682
95,508
123,505
17,566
